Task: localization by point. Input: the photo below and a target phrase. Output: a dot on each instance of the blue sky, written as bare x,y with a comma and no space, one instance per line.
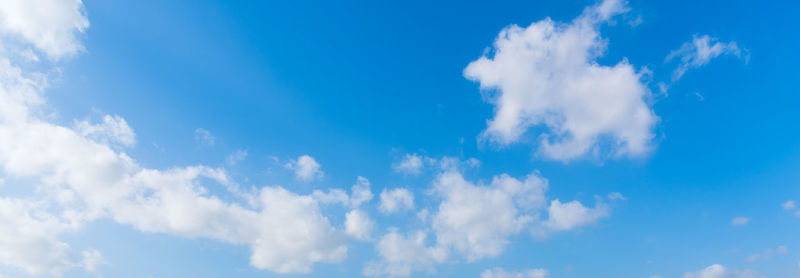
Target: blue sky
398,139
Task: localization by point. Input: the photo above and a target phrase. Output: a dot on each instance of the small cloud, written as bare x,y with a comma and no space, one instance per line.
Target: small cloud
411,164
305,168
700,51
740,221
789,205
203,137
616,196
235,157
699,96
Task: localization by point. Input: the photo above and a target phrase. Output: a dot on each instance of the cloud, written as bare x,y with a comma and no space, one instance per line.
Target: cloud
718,271
395,200
546,75
477,220
740,221
75,177
411,164
780,250
567,216
203,137
235,157
403,254
788,205
359,193
51,26
699,52
305,168
501,273
113,129
358,224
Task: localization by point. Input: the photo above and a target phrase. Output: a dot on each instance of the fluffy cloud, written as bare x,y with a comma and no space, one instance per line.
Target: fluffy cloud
113,129
358,224
410,164
567,216
699,52
51,26
395,200
75,176
477,220
305,168
359,193
546,75
403,254
718,271
501,273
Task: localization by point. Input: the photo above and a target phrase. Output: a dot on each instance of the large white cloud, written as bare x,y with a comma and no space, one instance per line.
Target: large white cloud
402,254
395,200
75,175
52,26
546,75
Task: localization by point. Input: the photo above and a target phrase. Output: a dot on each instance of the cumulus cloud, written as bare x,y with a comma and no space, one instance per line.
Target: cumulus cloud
546,75
403,254
410,164
395,200
567,216
75,176
360,193
358,224
718,271
113,129
699,52
305,168
52,26
501,273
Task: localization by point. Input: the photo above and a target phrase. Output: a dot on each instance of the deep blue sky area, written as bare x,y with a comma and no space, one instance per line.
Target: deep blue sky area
358,85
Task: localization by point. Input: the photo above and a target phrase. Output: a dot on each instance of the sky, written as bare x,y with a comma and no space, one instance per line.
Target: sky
491,139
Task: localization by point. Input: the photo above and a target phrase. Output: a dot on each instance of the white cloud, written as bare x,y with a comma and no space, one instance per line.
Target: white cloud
546,75
411,164
76,177
305,168
235,157
395,200
92,259
501,273
403,254
51,26
113,129
203,137
788,205
616,196
358,224
477,220
359,193
567,216
718,271
699,52
767,254
740,221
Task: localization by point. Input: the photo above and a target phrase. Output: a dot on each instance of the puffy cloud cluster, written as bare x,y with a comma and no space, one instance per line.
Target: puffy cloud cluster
395,200
546,75
75,175
476,221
